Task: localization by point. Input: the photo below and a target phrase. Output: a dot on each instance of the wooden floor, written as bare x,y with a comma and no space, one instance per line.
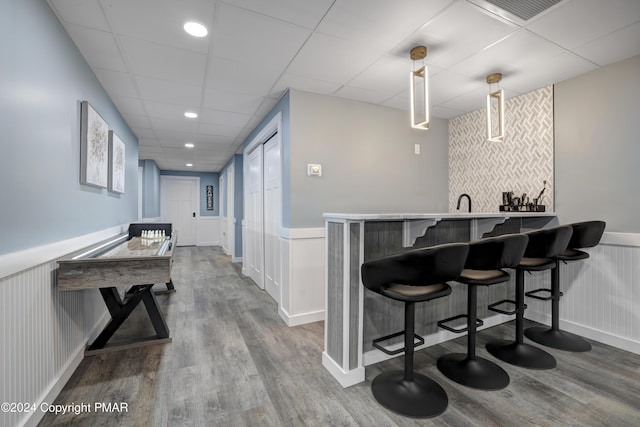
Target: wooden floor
233,362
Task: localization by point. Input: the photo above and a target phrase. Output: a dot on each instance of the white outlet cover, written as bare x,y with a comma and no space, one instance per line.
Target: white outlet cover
314,169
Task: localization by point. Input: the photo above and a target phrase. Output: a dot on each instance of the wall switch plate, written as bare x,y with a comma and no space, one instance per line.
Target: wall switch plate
314,170
416,148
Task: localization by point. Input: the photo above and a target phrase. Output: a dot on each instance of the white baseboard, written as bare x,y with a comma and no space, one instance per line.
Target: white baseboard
236,259
300,319
345,379
589,333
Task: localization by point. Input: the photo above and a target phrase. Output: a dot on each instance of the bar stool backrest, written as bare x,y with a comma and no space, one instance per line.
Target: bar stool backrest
493,253
421,267
586,234
548,242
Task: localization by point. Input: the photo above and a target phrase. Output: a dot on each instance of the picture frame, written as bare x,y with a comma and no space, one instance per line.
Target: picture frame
94,147
116,163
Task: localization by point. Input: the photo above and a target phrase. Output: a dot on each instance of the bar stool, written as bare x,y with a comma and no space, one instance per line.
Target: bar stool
585,235
412,277
483,267
543,245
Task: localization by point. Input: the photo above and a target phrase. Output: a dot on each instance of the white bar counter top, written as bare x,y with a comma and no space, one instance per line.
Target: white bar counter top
434,215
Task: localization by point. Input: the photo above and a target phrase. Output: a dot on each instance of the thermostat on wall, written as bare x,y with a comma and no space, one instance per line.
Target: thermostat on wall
314,170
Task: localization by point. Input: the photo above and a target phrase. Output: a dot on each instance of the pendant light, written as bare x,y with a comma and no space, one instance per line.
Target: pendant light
419,90
495,131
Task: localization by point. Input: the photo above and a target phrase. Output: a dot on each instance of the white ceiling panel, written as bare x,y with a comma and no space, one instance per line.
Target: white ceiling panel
164,62
306,13
256,40
161,21
169,92
613,47
87,13
356,49
577,22
116,83
98,47
331,59
381,23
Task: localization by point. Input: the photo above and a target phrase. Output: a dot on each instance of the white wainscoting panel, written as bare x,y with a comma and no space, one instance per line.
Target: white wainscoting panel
208,231
44,333
601,294
303,262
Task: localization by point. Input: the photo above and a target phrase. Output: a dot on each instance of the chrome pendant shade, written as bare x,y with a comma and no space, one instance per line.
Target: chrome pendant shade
419,90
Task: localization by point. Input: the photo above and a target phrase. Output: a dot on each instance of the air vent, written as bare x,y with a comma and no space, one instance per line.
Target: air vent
524,9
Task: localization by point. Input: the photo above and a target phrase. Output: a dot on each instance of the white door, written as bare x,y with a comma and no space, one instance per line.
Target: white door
254,252
223,219
271,173
231,235
179,205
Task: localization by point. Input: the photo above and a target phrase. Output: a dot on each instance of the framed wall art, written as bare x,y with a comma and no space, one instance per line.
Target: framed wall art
94,147
116,163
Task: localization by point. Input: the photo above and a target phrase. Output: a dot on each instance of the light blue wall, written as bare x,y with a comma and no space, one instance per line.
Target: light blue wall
206,178
43,79
150,189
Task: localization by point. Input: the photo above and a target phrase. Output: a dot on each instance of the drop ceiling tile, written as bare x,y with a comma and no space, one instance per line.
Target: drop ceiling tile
613,47
308,84
161,21
359,94
142,132
99,48
220,99
461,30
223,118
117,83
444,112
87,13
219,129
401,101
576,23
331,59
447,85
128,106
378,23
161,125
163,110
256,40
138,122
306,13
164,62
170,92
224,74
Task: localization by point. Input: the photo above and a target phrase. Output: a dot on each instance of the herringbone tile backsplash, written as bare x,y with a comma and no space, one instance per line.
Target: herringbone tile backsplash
520,164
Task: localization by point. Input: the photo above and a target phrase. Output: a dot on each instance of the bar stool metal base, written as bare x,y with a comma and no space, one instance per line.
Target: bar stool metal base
561,340
420,398
476,373
521,354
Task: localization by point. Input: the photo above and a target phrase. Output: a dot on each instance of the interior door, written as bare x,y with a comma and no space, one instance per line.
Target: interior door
179,197
271,173
230,236
254,252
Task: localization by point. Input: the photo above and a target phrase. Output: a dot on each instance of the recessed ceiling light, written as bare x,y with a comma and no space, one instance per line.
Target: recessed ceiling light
190,115
189,165
189,145
195,29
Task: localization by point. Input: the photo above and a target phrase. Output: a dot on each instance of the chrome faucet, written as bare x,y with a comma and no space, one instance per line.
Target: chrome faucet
460,199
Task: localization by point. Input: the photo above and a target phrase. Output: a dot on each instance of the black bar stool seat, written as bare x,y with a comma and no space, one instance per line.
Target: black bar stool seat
483,267
585,235
411,277
543,245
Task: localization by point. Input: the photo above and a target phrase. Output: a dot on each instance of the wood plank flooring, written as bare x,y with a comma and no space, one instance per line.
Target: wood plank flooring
233,362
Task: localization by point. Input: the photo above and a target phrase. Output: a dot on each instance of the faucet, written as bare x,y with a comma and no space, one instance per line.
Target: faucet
460,199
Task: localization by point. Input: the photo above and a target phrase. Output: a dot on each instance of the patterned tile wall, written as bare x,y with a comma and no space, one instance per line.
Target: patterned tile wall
520,164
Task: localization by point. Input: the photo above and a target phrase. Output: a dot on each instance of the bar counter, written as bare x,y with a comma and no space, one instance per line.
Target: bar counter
353,317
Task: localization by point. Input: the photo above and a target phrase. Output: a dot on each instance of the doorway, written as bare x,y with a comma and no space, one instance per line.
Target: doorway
179,198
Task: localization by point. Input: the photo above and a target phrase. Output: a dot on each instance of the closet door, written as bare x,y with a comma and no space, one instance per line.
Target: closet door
254,252
272,168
